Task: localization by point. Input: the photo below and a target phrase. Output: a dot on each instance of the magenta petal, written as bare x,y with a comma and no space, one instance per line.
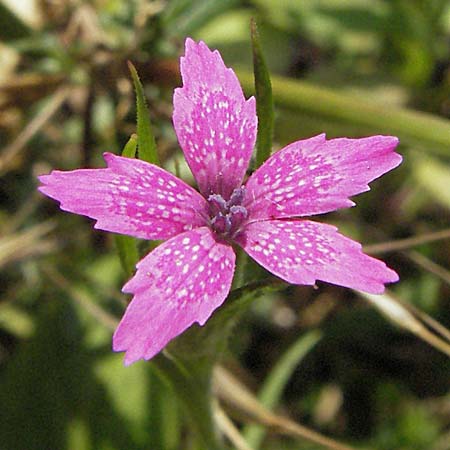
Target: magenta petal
180,282
315,176
129,197
301,252
215,125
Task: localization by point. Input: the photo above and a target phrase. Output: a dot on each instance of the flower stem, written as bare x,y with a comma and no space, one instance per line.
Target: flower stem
191,381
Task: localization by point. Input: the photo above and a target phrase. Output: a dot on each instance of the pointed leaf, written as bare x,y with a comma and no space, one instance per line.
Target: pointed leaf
264,102
146,140
128,252
163,415
126,245
129,151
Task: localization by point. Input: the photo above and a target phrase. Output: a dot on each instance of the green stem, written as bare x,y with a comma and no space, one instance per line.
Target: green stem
408,125
191,381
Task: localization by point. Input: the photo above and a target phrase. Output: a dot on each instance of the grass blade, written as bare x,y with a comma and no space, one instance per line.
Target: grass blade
274,384
146,139
264,101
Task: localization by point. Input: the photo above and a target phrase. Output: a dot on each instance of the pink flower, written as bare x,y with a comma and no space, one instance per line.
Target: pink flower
187,277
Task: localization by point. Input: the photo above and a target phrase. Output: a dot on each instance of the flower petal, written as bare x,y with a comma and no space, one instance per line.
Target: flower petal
316,176
215,125
180,282
301,252
129,197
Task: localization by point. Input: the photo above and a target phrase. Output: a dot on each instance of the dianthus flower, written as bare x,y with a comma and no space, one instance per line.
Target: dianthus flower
187,277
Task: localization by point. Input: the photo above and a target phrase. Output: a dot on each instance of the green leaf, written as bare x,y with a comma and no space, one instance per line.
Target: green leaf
146,140
128,252
190,380
163,415
277,379
130,148
126,245
264,101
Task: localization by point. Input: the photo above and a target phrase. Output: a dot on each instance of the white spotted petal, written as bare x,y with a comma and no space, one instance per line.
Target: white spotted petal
180,282
186,278
302,251
315,175
129,197
215,125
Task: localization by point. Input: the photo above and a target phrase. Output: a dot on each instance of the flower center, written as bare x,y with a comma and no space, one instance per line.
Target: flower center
227,216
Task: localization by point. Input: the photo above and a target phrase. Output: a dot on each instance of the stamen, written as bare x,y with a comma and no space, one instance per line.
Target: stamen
237,196
217,204
221,224
226,217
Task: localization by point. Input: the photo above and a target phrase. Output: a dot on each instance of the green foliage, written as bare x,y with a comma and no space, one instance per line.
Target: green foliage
273,387
145,141
264,102
127,246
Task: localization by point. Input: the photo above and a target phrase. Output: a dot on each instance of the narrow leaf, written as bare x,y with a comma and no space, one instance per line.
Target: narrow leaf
163,414
190,381
146,140
129,151
264,102
126,245
233,393
128,252
274,384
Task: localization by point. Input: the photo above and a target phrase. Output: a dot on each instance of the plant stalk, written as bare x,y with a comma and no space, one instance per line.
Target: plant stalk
191,380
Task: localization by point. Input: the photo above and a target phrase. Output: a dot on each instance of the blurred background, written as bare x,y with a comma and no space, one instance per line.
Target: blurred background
347,68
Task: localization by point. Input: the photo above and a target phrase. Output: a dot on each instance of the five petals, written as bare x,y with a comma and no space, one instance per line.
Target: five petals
186,278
